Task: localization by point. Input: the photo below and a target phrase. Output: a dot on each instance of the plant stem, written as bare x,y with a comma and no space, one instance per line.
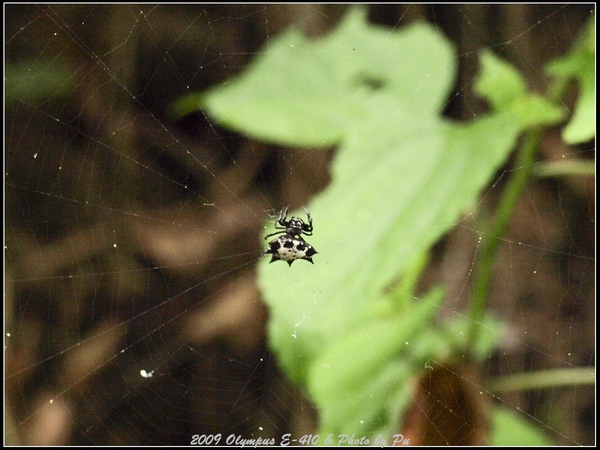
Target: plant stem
490,242
523,172
565,168
545,379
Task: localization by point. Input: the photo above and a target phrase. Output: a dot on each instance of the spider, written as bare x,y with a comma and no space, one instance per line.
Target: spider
290,245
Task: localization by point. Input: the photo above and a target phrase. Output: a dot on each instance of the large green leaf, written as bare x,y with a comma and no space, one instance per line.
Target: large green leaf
303,92
352,364
401,178
379,212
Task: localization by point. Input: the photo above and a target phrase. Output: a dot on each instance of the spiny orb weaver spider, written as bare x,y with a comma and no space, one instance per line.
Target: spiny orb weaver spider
290,245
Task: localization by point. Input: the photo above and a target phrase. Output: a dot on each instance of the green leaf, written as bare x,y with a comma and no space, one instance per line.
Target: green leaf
504,88
499,82
185,105
491,333
509,429
580,65
399,193
304,92
352,364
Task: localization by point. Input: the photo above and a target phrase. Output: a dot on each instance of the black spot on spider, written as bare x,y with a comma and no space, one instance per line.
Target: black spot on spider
288,243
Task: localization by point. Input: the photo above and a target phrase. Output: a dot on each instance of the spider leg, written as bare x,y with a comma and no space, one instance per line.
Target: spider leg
281,223
273,234
282,220
308,228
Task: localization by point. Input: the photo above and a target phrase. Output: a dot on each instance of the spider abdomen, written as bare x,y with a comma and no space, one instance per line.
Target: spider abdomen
290,249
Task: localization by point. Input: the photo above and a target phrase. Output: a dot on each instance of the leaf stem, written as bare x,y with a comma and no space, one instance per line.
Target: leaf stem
523,172
489,247
565,168
545,379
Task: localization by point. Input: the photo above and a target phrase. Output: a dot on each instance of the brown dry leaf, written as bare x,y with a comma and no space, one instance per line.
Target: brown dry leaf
448,409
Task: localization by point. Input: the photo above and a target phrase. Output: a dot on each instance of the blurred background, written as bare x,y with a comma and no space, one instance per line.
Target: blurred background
132,315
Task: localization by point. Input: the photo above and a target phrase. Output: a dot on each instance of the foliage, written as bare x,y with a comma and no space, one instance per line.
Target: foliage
35,81
580,65
402,176
509,429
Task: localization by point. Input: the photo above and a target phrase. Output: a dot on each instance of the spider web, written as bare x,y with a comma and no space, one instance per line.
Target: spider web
132,314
